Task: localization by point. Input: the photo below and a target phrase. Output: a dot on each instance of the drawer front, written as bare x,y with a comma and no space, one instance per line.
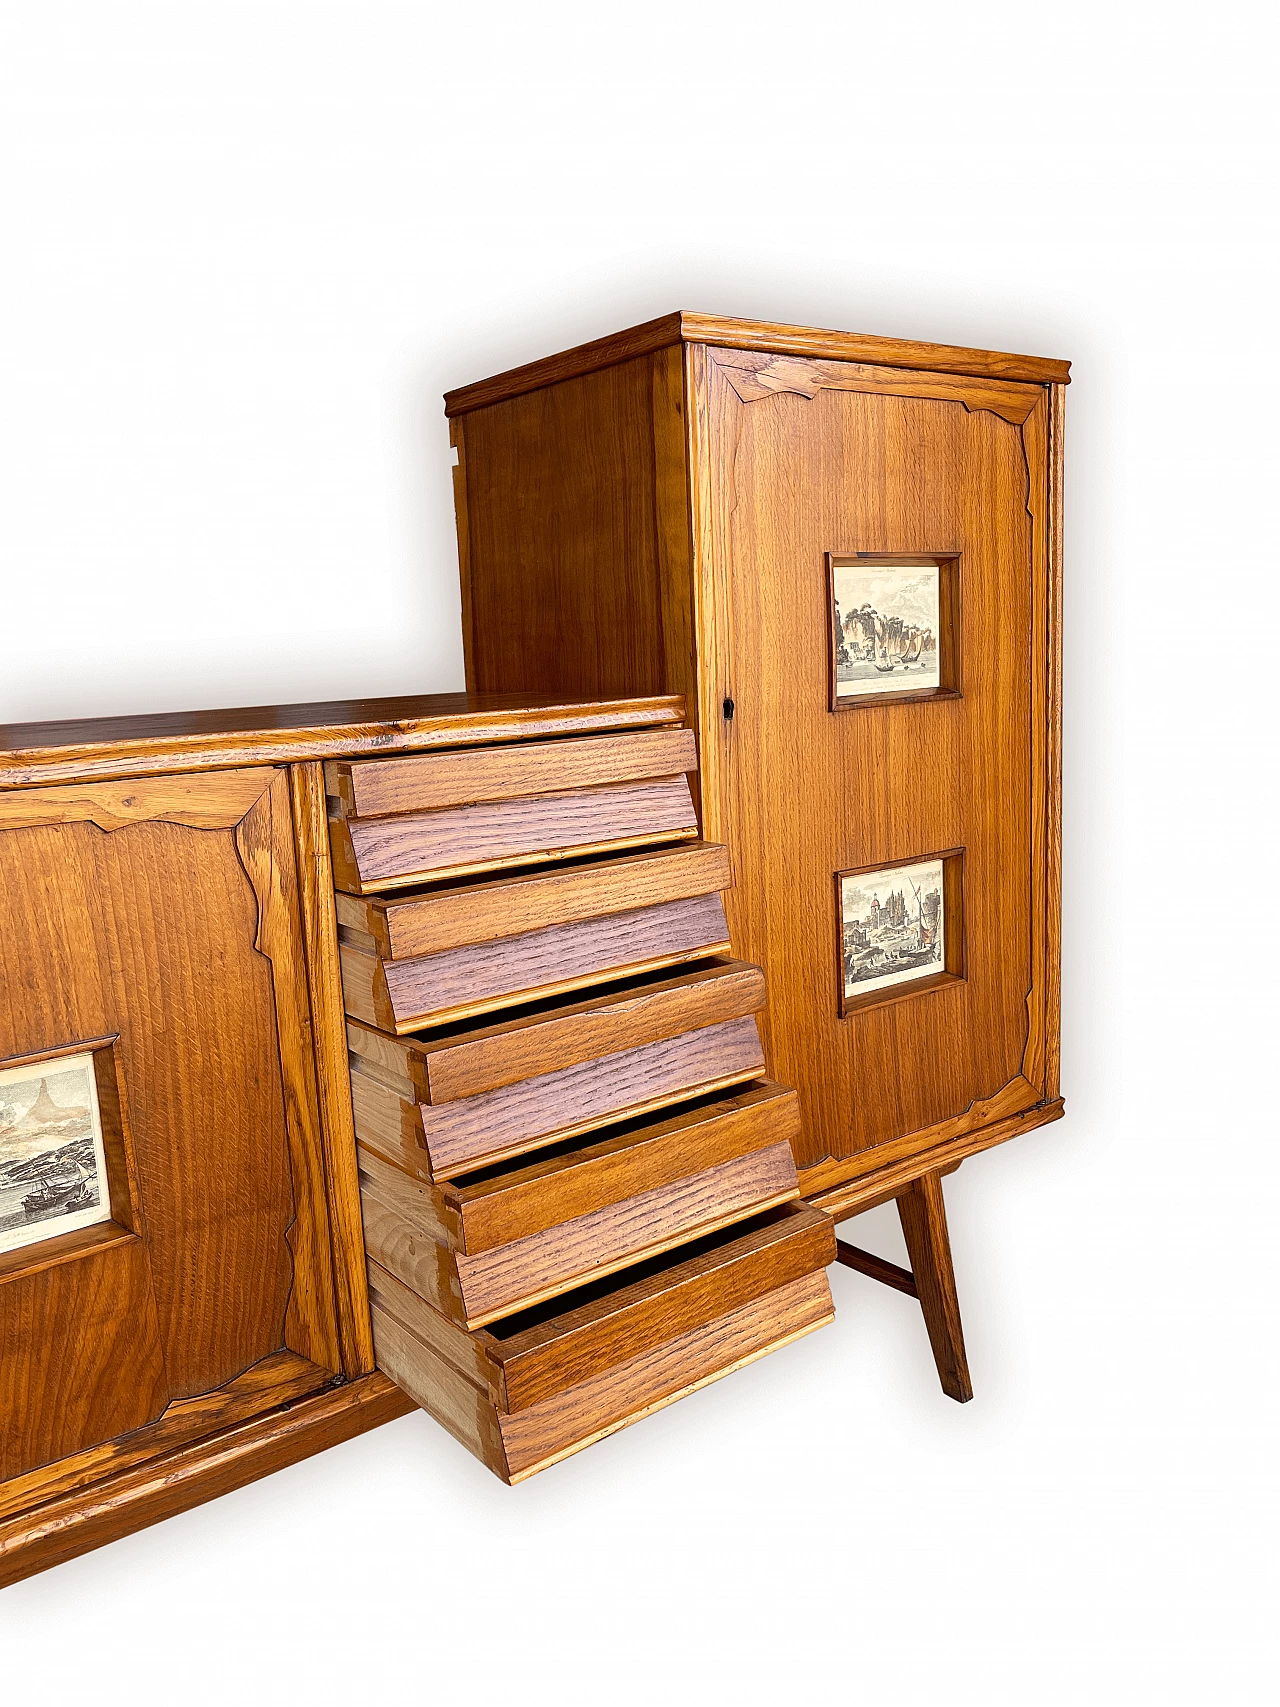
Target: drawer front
534,1356
516,1444
513,1276
389,853
541,1352
408,995
505,1204
535,1438
453,1139
478,1131
519,1201
370,788
430,922
488,1057
507,1241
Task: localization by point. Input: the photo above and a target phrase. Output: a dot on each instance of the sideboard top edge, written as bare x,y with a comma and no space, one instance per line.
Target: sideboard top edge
103,748
816,343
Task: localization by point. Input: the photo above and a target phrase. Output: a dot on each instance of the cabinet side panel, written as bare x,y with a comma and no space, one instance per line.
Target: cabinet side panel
576,554
1053,993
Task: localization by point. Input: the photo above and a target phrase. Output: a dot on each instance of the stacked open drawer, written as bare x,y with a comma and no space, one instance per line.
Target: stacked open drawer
580,1200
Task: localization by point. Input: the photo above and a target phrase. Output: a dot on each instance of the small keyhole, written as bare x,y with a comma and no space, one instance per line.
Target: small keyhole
728,710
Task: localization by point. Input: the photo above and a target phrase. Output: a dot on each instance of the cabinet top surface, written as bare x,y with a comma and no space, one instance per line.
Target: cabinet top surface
815,343
104,747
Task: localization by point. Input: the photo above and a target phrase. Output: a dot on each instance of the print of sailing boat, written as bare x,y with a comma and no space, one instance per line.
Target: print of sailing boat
49,1195
926,934
914,648
81,1197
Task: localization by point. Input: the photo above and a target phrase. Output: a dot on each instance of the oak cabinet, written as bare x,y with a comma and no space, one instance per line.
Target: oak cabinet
666,511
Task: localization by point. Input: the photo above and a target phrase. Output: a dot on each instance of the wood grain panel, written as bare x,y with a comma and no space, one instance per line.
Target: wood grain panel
576,470
531,1360
371,788
405,995
463,1351
791,478
117,934
411,1255
534,1438
486,1058
81,1352
389,853
513,906
479,1130
528,1270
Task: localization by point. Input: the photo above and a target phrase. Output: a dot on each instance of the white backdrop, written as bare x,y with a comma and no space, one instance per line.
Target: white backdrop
246,249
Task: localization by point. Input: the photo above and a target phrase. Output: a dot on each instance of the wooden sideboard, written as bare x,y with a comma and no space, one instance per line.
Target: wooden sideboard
515,1052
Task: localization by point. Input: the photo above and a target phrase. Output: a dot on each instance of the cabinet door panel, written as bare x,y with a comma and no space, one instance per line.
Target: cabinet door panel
801,792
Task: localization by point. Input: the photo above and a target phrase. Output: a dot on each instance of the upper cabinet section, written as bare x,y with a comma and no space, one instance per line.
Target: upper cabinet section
806,342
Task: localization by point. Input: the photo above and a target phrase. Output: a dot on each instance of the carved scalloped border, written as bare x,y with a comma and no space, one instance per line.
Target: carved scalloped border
755,376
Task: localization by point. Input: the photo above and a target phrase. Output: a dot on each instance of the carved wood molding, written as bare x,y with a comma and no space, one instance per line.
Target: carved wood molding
213,800
1011,1100
754,376
264,840
851,1195
333,1075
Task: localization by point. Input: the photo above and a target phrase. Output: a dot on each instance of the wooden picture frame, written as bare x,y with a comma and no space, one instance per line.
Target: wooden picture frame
949,640
953,936
121,1188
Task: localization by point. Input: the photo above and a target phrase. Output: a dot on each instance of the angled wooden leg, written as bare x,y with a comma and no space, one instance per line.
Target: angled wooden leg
924,1226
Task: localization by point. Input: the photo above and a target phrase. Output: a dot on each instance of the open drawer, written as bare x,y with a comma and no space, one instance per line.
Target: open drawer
447,954
578,1189
447,1102
402,821
486,1245
545,1383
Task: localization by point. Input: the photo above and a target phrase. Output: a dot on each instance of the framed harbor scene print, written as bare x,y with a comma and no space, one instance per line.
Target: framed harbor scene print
894,628
53,1163
899,928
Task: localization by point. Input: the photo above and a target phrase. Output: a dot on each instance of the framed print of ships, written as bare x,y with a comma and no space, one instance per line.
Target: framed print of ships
53,1168
894,625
